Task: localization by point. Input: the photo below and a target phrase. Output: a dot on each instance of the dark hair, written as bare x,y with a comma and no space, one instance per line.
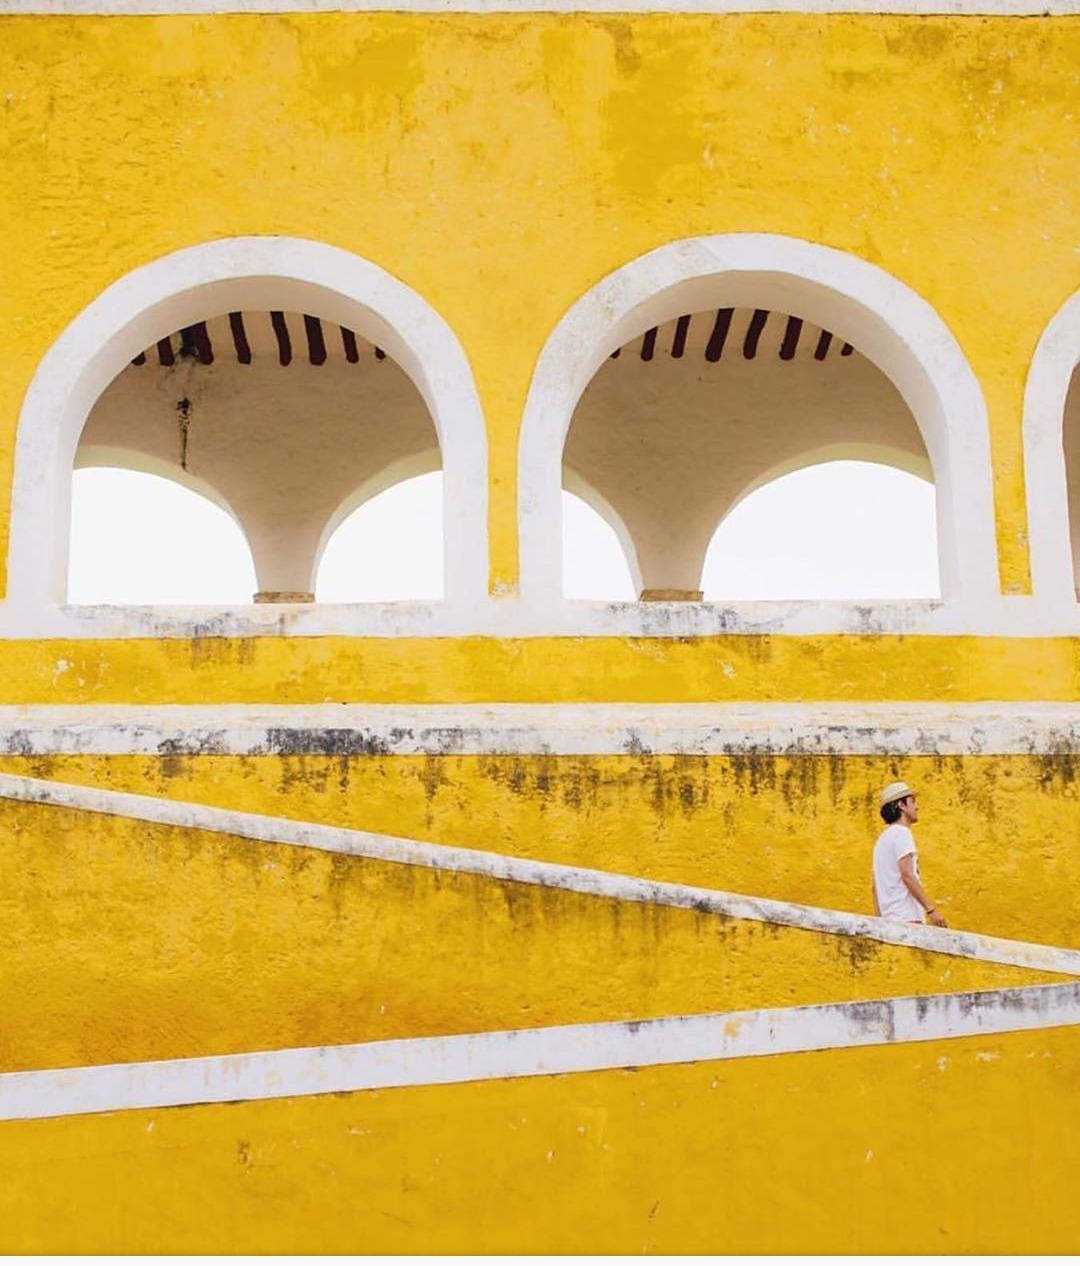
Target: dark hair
891,811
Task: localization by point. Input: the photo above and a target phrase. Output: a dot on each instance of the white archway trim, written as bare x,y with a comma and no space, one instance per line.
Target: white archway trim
888,322
1052,367
191,285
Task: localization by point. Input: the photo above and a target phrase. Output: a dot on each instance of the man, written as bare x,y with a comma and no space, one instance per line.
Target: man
898,893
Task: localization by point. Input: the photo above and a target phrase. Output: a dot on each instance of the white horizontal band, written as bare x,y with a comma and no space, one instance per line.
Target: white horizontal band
509,618
599,883
542,1052
590,729
1002,8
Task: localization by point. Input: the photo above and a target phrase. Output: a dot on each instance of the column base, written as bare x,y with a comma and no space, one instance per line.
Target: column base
671,595
284,595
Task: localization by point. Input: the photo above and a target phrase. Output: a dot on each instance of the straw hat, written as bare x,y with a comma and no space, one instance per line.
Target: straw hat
894,791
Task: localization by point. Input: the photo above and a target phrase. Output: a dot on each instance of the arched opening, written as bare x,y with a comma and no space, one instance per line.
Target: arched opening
707,368
387,548
279,377
283,416
141,538
861,529
682,423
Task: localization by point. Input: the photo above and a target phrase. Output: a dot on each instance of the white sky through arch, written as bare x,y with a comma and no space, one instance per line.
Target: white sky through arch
834,531
141,539
838,530
390,549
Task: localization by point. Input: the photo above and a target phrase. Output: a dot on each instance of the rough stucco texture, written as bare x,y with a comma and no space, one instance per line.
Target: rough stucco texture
502,165
959,1146
540,670
997,836
179,943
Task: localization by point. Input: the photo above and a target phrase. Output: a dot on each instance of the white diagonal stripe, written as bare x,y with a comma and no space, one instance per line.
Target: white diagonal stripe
533,1052
599,883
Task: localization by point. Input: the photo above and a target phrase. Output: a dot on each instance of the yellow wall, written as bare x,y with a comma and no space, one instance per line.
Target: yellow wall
997,837
502,165
970,1145
126,941
745,667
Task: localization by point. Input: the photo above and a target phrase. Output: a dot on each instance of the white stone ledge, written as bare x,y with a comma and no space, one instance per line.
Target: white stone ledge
578,729
499,866
545,1052
516,618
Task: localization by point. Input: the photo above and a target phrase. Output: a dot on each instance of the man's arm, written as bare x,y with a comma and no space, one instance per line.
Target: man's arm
911,882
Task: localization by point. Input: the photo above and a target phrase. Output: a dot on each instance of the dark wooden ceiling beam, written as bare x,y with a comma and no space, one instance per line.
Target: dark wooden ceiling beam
239,337
281,332
753,332
714,349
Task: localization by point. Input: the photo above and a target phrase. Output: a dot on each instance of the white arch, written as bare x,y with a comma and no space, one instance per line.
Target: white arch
887,321
1052,366
191,285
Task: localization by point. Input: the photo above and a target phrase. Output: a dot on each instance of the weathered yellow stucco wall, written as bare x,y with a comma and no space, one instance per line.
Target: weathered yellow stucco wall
969,1145
502,164
123,940
746,667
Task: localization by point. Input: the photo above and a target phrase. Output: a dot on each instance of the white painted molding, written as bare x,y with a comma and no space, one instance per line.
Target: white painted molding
192,285
927,8
1052,366
500,866
554,1051
859,302
578,729
509,618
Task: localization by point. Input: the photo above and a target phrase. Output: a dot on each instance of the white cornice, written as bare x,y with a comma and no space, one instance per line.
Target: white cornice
541,729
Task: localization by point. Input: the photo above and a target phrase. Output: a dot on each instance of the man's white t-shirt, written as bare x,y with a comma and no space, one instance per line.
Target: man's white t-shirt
894,900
